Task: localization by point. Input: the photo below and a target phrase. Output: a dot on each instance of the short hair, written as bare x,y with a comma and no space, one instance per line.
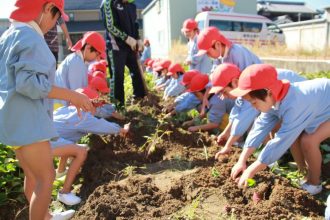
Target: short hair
259,94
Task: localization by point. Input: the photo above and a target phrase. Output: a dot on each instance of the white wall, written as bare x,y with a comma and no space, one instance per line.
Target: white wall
306,35
157,28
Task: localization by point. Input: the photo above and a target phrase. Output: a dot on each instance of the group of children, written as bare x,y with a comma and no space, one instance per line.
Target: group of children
275,107
223,78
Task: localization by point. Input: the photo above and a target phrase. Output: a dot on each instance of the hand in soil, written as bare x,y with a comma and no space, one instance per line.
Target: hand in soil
125,131
224,151
222,139
237,169
242,181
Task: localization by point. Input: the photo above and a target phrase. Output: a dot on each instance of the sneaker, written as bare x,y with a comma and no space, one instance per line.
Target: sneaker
59,175
68,198
312,189
63,215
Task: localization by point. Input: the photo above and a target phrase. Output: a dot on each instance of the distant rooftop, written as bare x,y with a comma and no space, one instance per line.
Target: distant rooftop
285,7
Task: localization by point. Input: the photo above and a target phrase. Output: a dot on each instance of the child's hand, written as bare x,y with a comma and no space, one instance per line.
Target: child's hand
124,131
82,102
222,138
223,151
237,169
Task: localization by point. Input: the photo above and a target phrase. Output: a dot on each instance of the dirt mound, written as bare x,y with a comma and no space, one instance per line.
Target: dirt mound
177,188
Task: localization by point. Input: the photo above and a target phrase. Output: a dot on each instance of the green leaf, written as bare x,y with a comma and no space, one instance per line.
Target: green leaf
325,147
251,182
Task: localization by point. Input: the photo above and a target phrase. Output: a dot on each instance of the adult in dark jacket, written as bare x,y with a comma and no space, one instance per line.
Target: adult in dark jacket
123,44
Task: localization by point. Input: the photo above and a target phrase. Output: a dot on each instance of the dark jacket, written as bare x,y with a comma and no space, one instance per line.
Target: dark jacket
120,22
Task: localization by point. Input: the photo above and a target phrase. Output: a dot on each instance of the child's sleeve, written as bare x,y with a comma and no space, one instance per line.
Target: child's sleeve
242,116
31,77
90,124
176,89
262,126
293,123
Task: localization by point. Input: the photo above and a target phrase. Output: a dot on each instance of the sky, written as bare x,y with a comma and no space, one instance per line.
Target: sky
6,6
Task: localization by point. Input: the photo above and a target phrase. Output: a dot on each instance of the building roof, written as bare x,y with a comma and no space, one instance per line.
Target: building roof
95,4
285,7
84,26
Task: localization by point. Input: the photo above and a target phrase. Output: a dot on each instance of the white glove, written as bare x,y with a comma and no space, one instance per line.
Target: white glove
140,45
131,42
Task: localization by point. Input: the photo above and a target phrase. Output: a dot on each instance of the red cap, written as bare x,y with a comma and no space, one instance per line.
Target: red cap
94,39
174,68
189,25
99,84
99,66
91,93
150,63
198,83
99,74
146,41
208,37
27,10
223,75
146,61
163,64
259,76
187,77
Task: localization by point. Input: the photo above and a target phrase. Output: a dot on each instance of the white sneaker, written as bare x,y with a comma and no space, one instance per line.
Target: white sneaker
63,215
68,198
59,175
312,189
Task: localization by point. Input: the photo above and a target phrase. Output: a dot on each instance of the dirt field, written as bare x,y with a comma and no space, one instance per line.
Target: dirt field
178,179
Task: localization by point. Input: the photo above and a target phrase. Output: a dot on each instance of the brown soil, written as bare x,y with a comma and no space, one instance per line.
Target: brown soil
121,181
179,179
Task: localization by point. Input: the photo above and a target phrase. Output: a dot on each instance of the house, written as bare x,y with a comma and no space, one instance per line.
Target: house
285,11
162,19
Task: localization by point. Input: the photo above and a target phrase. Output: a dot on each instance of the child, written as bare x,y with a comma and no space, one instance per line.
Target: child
72,128
105,110
72,72
195,61
146,54
186,101
211,42
175,87
218,107
162,68
302,107
28,67
64,148
224,79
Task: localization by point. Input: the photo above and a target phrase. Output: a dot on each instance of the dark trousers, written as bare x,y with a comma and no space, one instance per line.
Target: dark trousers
118,59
